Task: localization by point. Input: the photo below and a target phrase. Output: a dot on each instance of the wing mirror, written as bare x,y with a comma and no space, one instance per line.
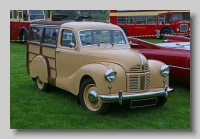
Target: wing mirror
72,45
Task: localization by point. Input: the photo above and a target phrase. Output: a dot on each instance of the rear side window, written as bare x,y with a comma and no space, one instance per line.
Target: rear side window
50,35
36,33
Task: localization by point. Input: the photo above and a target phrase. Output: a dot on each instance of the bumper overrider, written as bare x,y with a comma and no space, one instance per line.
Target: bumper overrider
120,97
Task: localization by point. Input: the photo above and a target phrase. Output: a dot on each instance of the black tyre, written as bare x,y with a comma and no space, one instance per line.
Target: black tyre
165,31
41,86
125,31
87,103
161,101
24,37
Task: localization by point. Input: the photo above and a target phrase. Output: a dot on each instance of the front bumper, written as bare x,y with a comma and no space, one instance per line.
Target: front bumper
120,97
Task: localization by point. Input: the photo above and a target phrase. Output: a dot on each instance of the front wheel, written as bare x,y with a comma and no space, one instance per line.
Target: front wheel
89,98
41,86
165,31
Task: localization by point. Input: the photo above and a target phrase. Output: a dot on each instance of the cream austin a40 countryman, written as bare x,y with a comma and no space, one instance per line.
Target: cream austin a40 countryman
95,62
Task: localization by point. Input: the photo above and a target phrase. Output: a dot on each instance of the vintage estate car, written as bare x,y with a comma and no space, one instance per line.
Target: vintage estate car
175,52
95,62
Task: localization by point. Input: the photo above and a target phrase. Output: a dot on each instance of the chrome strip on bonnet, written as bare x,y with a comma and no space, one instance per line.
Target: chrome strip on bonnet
141,59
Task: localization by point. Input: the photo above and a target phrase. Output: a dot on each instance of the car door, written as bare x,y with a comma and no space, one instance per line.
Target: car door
67,59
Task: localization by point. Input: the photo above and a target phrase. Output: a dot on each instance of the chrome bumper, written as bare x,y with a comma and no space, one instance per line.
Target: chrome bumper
119,98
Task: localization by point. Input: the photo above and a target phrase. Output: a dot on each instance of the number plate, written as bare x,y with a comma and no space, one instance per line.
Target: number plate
143,102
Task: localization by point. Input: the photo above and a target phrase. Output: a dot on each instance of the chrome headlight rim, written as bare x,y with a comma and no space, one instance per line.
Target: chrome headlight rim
165,70
108,75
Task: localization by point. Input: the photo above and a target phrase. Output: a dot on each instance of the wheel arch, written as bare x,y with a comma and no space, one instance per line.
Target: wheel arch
42,71
21,32
156,80
166,27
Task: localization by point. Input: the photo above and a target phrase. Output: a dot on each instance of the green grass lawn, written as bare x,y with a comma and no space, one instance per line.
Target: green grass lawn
152,40
31,109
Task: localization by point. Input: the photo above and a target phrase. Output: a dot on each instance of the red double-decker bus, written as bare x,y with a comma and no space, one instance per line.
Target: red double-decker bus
20,21
151,23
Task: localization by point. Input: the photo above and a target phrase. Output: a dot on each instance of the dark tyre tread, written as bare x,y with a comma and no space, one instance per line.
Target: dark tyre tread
45,88
105,107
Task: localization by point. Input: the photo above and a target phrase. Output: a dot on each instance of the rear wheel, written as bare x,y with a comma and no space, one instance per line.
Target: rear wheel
24,37
41,86
89,98
125,31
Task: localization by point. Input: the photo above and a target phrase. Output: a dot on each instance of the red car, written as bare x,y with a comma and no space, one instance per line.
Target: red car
174,51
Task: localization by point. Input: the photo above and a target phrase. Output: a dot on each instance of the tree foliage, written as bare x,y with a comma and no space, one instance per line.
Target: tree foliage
100,15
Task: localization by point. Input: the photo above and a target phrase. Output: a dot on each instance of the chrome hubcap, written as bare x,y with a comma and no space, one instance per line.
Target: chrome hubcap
93,97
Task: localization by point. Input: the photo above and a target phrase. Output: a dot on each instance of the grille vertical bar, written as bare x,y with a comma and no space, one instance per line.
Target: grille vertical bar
138,82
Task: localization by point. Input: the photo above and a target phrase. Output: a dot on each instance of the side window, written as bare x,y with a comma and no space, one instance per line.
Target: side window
50,35
11,14
47,13
167,18
25,16
121,20
161,19
15,14
20,14
130,20
36,33
140,20
67,38
151,20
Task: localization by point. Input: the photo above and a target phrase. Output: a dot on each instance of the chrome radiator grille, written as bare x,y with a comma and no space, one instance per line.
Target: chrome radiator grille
138,82
138,68
183,28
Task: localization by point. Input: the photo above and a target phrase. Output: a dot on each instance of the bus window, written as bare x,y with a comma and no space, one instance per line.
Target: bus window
11,14
140,20
15,14
20,14
161,19
36,14
25,16
167,18
151,20
47,13
130,20
121,20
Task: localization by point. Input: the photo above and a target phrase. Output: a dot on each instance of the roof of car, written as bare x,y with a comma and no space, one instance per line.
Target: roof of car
77,25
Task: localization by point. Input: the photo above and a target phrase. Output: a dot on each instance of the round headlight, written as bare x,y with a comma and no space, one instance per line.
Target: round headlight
110,75
165,70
